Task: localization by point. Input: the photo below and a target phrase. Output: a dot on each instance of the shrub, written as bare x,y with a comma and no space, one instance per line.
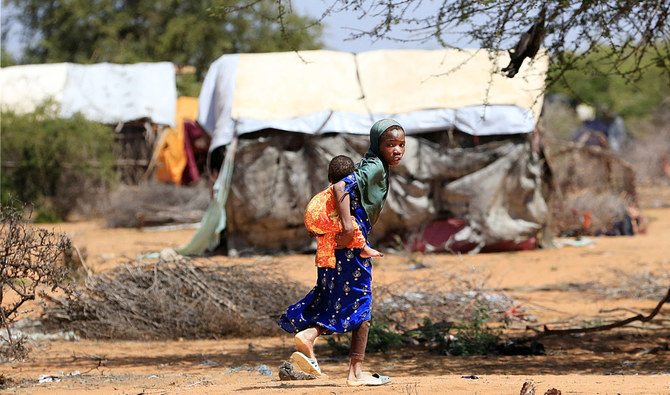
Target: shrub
28,258
56,164
380,338
474,337
435,336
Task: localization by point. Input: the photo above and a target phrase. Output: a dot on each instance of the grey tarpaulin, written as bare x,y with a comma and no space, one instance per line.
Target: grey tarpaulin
495,187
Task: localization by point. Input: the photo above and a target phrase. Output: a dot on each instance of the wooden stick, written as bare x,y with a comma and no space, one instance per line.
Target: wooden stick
616,324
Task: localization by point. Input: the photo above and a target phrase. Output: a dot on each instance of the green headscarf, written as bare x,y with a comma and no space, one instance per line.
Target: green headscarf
372,173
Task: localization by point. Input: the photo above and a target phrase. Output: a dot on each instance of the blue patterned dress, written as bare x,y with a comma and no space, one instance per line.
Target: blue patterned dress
341,299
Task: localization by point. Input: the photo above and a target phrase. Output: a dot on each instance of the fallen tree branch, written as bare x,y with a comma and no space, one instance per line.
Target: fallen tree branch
551,287
616,324
619,309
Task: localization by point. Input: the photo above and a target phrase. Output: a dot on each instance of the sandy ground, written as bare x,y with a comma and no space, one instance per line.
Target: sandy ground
634,360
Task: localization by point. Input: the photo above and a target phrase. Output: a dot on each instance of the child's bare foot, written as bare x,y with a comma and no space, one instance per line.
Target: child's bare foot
369,252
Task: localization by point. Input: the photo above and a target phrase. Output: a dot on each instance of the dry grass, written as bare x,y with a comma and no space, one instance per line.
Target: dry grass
445,297
641,285
176,299
182,299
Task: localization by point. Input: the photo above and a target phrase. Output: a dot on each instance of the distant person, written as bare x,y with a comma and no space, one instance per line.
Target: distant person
322,220
606,130
341,300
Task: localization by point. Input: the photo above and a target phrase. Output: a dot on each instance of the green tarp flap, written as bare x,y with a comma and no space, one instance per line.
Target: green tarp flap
206,238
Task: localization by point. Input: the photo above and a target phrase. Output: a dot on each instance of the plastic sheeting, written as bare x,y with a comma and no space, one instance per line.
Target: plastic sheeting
24,88
494,189
318,92
104,92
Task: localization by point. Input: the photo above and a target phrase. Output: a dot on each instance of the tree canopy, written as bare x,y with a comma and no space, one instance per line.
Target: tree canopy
629,36
588,41
587,83
129,31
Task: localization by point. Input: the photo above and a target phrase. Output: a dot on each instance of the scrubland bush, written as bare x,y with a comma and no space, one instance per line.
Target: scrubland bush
28,264
58,165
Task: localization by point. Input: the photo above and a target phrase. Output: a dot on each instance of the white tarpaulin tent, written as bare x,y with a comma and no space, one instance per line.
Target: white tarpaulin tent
104,92
326,91
492,183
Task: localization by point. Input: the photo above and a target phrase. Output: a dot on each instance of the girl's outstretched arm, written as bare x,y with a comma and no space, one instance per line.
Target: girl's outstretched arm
342,201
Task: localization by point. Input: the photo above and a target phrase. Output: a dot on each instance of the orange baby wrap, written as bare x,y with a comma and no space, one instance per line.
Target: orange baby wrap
322,219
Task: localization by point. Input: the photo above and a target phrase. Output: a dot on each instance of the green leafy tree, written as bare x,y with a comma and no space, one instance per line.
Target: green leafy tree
591,83
54,163
183,32
6,59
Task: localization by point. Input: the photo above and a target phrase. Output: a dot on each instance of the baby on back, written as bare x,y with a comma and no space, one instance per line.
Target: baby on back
322,219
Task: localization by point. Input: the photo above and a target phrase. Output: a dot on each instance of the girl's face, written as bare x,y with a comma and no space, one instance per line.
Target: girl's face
392,146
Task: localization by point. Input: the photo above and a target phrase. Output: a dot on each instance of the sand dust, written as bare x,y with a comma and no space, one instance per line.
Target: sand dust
635,360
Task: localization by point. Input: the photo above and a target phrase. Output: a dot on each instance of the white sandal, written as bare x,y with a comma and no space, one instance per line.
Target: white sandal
306,364
377,379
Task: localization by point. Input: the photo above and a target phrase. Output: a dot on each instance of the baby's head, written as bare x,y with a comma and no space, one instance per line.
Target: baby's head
340,167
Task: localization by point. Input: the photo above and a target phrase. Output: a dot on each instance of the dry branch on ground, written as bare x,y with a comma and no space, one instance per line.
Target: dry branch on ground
547,331
176,299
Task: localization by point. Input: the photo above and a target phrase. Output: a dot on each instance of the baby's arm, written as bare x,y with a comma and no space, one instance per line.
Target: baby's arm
344,212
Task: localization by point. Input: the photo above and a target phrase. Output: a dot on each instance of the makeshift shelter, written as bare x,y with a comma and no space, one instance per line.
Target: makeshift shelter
469,156
136,99
104,92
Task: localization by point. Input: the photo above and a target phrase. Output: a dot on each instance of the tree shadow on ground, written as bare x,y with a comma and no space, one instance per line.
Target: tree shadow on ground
614,352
